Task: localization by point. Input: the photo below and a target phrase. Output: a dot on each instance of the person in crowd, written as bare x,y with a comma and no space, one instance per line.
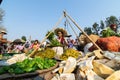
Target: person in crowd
10,48
3,41
114,28
35,45
27,44
61,33
88,43
80,42
18,47
70,41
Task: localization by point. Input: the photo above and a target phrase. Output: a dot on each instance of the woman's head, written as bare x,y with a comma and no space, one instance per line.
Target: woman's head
36,42
113,27
60,32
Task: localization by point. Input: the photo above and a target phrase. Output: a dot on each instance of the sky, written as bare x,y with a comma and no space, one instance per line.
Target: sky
36,17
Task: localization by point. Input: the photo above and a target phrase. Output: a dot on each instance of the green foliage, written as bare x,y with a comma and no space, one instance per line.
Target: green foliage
88,30
52,39
96,28
51,35
55,42
28,65
111,20
102,25
108,32
23,38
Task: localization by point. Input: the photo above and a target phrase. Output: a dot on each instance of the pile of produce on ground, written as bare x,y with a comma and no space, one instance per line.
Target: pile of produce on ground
16,58
108,44
90,67
6,56
70,52
47,53
65,70
109,32
28,65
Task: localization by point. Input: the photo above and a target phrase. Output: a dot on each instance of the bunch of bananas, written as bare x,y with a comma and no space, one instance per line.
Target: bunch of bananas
47,53
70,53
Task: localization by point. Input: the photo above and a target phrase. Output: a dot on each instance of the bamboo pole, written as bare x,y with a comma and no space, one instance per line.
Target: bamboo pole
82,30
71,27
73,30
55,26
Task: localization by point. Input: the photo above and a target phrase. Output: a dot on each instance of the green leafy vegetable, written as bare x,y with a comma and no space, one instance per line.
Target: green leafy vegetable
109,32
52,39
28,65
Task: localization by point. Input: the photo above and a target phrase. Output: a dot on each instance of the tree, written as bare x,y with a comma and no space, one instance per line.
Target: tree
23,38
2,28
88,30
1,15
111,20
96,28
102,25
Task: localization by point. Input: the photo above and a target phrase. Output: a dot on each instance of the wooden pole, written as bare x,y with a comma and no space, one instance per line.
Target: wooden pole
81,30
72,27
73,30
33,53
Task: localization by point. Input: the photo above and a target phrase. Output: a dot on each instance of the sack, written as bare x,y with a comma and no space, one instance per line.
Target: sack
108,44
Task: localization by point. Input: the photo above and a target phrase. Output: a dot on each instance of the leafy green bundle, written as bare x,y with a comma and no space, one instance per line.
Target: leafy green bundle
28,65
109,32
53,40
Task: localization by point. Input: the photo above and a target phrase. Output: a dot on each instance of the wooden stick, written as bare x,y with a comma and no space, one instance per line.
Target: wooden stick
82,30
73,30
33,52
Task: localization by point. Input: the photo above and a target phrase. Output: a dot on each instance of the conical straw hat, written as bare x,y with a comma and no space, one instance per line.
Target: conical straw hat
60,30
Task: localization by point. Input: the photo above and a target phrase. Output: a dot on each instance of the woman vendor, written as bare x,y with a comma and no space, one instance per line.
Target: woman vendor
61,33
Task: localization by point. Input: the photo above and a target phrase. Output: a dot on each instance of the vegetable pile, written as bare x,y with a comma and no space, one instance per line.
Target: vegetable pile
108,44
53,40
109,32
28,65
47,53
70,53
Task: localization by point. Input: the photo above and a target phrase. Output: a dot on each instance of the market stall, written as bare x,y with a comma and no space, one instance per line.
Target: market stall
56,62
